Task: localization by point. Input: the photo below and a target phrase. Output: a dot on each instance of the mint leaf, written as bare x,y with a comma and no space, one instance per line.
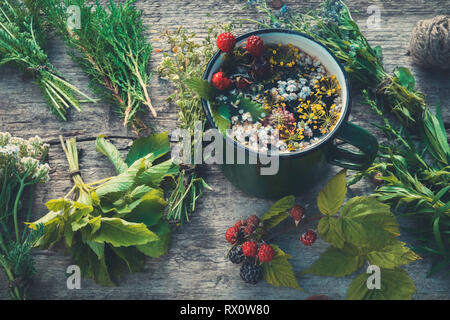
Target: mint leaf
278,212
395,285
335,262
279,271
332,196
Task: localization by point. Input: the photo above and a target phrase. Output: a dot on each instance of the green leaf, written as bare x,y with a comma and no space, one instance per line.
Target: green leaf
332,196
392,256
109,150
57,205
330,231
248,105
366,222
335,262
155,144
133,259
97,248
278,212
279,271
405,78
202,88
155,174
158,248
121,233
150,210
395,285
223,124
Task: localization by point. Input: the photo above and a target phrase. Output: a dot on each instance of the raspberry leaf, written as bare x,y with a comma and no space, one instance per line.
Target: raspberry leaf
278,212
329,230
395,285
392,256
248,105
332,196
222,123
366,222
335,262
158,248
279,271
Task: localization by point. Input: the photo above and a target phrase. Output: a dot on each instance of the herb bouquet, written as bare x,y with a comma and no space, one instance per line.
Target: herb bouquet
22,44
111,48
21,167
110,226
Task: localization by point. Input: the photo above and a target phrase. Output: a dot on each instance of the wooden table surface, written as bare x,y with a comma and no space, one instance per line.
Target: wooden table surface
196,266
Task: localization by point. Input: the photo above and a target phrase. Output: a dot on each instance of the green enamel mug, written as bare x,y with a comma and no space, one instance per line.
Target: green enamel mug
298,171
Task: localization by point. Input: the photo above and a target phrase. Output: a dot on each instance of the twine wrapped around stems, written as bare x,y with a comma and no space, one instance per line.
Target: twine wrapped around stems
430,43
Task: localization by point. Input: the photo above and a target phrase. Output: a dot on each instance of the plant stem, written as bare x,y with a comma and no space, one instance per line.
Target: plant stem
15,212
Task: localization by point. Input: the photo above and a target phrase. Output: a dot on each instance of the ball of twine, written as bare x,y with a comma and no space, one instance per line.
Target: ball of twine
430,43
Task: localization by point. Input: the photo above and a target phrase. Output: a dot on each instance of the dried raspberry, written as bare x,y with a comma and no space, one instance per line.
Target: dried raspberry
265,253
255,46
226,42
242,83
220,81
249,248
248,230
232,234
253,220
297,212
309,237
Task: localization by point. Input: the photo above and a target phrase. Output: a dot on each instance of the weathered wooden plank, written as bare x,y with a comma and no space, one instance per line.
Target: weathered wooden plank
196,266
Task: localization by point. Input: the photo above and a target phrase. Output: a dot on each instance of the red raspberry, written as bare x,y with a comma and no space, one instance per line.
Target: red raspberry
248,230
297,212
255,46
239,224
232,234
253,220
226,42
265,253
249,248
309,237
242,83
220,81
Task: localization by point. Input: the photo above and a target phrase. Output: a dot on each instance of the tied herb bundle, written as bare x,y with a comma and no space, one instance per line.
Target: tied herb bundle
21,167
111,225
187,60
333,25
22,44
112,49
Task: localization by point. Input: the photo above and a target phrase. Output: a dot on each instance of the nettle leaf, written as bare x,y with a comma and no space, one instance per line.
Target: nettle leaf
392,256
364,221
158,248
121,233
279,271
223,124
202,88
109,150
278,212
405,78
155,144
330,231
332,196
335,262
395,285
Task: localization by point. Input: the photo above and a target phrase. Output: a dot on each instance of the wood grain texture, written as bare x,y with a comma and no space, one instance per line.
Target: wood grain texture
196,266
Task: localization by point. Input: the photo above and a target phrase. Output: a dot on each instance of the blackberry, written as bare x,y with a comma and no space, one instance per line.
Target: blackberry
236,255
251,273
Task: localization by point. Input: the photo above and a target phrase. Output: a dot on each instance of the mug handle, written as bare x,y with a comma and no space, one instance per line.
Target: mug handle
351,159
